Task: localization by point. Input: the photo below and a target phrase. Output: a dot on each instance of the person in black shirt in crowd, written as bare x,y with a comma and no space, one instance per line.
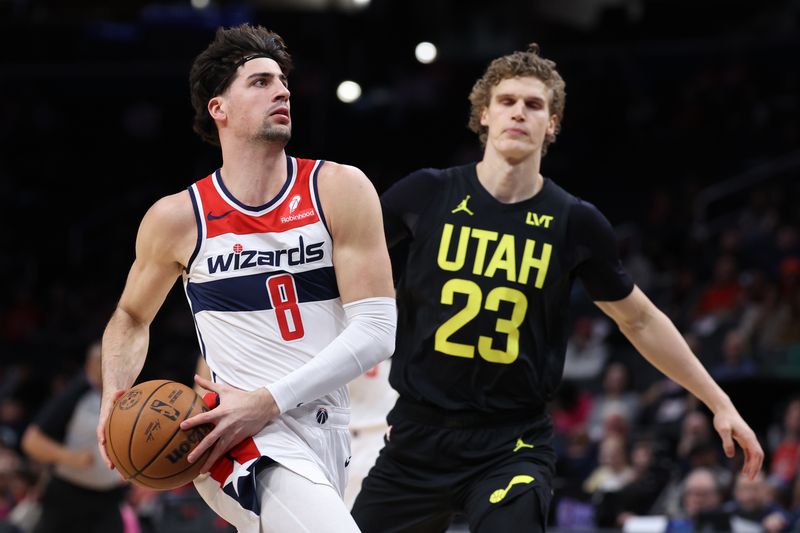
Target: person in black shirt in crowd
493,249
83,495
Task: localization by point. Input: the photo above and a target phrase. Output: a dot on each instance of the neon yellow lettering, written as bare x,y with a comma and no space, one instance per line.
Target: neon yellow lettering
483,236
461,250
541,264
504,258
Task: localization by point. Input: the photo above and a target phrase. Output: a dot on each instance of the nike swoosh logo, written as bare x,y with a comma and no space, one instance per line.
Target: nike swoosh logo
216,217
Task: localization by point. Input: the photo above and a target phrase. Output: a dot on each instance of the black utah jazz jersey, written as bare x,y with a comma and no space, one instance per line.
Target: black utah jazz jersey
483,295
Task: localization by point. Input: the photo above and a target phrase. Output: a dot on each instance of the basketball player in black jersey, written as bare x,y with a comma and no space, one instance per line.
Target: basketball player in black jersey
493,250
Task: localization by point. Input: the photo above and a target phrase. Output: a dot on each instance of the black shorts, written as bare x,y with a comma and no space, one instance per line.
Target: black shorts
496,471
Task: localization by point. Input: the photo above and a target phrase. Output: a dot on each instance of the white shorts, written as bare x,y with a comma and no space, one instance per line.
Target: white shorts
312,441
365,446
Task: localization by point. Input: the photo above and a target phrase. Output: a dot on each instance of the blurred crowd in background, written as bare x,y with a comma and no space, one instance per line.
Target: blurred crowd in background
682,125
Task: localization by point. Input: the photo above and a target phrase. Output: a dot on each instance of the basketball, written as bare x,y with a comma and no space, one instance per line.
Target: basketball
144,439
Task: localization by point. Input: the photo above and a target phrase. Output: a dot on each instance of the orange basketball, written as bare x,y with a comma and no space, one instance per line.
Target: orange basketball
144,439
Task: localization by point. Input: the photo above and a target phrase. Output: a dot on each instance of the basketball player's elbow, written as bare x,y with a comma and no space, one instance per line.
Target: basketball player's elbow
373,321
632,326
635,325
126,318
381,334
385,344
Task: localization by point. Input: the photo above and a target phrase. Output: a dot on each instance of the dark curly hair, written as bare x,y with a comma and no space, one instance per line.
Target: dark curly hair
214,69
518,64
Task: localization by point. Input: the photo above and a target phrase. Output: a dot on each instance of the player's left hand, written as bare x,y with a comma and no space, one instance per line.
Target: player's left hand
240,414
106,405
731,427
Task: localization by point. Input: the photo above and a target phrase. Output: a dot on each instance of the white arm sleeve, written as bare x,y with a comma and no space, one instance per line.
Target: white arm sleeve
367,340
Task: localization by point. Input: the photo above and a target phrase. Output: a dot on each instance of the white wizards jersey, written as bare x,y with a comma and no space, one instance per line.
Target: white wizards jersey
261,283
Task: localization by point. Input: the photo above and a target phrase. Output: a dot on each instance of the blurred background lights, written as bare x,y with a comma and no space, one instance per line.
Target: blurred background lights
200,4
425,52
348,91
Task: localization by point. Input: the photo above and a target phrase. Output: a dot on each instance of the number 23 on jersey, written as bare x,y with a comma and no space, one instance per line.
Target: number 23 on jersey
475,303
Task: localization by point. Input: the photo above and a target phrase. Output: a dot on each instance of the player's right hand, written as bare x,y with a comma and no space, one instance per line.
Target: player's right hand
240,414
106,404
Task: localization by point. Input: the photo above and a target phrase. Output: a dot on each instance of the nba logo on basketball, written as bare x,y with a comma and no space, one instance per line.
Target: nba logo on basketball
322,415
165,409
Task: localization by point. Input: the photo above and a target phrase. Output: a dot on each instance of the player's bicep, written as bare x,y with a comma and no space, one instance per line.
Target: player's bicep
360,256
156,266
147,287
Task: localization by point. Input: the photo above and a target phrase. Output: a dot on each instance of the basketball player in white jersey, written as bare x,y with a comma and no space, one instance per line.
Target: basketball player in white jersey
288,279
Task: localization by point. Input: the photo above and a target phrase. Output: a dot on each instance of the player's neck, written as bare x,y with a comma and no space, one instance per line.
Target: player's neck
254,174
509,181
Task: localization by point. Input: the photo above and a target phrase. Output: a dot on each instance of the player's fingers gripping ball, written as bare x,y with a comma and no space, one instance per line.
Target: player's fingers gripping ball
144,439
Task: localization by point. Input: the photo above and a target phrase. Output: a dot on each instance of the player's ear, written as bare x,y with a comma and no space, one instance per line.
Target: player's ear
552,126
485,116
216,108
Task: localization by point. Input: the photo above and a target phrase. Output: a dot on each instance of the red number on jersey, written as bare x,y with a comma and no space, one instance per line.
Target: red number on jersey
283,295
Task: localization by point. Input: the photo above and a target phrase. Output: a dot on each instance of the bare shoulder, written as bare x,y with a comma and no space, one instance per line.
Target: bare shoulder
172,212
348,197
344,180
169,228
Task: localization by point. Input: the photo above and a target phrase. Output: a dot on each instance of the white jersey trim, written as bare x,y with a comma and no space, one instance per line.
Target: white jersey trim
273,204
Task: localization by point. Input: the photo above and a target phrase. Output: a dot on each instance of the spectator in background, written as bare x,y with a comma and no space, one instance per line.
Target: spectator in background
683,293
753,502
571,409
794,504
9,464
787,316
736,362
23,489
720,298
664,404
785,457
787,242
756,324
650,475
586,351
693,450
614,471
83,495
608,479
767,327
616,400
698,509
12,421
695,429
701,493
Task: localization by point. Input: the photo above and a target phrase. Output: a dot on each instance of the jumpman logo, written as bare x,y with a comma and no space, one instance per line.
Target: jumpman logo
521,444
463,206
498,495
